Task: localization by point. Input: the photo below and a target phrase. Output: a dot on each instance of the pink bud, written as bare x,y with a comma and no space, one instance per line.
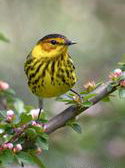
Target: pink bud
9,119
18,147
45,127
90,86
4,146
9,145
38,150
115,74
34,123
3,85
10,115
14,150
118,72
122,83
35,113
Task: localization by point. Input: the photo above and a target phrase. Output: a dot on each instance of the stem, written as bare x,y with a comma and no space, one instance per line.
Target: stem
71,112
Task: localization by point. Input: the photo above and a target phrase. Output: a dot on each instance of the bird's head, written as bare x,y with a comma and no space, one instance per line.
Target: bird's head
52,45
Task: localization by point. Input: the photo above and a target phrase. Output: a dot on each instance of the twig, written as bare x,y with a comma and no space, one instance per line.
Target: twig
62,118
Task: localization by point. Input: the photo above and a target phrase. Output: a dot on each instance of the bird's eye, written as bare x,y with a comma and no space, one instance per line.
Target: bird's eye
53,42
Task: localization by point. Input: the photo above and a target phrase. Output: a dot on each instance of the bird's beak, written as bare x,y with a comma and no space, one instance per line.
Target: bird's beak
70,42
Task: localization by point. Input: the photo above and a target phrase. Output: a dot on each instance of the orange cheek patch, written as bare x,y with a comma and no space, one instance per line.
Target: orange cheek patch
47,47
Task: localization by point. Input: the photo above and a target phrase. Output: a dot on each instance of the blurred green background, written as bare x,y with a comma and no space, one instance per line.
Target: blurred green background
98,27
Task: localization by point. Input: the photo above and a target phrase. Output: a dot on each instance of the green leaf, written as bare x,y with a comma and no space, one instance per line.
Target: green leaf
31,133
3,38
42,142
7,157
109,88
121,78
106,99
24,157
88,96
39,130
25,118
44,135
3,114
28,108
10,92
76,127
87,104
43,116
19,105
121,92
84,92
36,160
98,84
114,84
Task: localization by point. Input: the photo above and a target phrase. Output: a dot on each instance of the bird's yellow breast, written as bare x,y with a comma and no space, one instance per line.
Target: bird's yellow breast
51,77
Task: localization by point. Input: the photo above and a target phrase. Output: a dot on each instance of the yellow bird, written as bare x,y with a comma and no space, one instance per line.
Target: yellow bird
49,67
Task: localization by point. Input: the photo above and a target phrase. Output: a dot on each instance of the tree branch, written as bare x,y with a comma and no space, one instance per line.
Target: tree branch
62,118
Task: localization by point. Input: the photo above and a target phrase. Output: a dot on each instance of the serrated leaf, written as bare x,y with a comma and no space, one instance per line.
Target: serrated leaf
7,157
114,84
76,127
28,108
3,38
121,93
25,118
87,104
3,114
36,160
43,143
84,92
45,136
38,129
121,78
109,88
88,96
98,84
106,99
24,157
43,116
10,92
19,105
31,133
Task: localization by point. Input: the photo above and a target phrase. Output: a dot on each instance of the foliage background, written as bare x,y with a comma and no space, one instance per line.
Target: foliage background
99,28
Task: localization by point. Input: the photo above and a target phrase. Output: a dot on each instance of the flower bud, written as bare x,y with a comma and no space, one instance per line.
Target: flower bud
34,123
9,145
115,74
35,113
118,72
38,150
4,146
45,127
18,147
90,86
3,85
122,83
10,115
76,99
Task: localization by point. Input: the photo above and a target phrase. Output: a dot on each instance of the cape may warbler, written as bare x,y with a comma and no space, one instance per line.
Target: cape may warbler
49,67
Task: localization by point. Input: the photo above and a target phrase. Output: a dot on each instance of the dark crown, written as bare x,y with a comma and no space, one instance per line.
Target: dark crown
52,36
